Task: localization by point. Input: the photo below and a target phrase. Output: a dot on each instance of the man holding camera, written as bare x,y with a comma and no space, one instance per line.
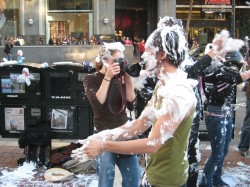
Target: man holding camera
110,90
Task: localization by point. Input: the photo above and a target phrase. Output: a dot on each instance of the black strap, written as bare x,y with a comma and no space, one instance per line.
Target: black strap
118,84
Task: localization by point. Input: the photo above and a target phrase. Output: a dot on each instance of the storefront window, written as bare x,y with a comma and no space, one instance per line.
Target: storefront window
69,22
64,26
205,21
9,20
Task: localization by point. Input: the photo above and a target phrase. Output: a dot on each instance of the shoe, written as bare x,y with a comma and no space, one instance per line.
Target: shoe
218,182
221,184
243,152
204,185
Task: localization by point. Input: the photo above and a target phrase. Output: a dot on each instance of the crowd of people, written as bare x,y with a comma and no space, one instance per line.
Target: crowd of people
138,44
171,114
73,40
9,41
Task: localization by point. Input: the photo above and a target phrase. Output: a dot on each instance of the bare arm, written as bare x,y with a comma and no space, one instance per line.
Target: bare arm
130,88
102,93
151,144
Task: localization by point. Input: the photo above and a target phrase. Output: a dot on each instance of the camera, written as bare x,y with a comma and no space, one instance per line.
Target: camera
132,69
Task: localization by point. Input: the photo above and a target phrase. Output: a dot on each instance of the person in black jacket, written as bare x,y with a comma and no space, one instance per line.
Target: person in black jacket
51,42
195,71
220,88
8,48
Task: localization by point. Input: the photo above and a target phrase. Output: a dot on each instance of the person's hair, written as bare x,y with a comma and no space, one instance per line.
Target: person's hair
98,66
170,38
169,21
175,51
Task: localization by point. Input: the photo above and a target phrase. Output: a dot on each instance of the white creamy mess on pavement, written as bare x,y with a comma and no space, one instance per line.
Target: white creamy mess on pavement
12,178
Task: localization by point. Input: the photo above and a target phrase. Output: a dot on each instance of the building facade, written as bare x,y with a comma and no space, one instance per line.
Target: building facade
89,21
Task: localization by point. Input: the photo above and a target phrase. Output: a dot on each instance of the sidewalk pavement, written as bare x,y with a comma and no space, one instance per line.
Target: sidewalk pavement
10,153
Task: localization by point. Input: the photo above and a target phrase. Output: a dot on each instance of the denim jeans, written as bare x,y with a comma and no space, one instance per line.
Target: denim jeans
245,130
127,164
220,133
9,57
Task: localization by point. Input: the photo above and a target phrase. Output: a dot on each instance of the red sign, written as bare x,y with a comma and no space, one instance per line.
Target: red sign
218,2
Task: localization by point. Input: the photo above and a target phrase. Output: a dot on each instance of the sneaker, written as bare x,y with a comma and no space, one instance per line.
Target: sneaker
218,182
204,185
221,184
243,152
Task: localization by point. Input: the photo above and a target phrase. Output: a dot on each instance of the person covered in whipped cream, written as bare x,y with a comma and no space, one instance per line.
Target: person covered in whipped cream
170,112
101,92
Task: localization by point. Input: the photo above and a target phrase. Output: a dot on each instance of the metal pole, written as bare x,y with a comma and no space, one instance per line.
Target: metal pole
233,20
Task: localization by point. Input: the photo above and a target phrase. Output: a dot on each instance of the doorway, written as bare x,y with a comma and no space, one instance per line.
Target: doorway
131,23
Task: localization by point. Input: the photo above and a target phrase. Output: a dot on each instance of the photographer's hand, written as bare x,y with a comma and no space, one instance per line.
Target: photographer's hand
112,70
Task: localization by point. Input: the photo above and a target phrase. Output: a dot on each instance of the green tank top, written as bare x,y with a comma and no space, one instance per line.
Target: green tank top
168,167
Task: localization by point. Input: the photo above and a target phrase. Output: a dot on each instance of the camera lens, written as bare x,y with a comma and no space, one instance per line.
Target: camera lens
133,69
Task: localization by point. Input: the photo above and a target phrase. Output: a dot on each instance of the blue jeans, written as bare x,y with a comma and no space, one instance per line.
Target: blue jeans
9,57
245,130
220,133
127,164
